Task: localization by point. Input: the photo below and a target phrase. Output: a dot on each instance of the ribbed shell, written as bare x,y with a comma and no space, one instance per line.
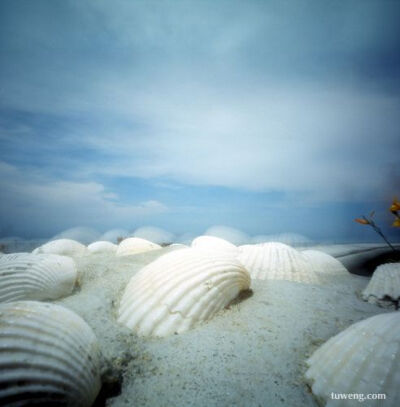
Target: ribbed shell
134,245
102,247
363,359
180,289
49,356
385,283
215,244
324,263
277,261
26,276
63,247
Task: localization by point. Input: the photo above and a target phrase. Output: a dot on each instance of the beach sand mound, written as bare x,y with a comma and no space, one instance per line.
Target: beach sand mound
252,354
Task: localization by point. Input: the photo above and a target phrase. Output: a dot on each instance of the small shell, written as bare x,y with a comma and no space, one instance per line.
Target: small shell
178,246
277,261
175,246
178,290
325,263
134,245
49,356
385,283
102,247
363,359
215,244
64,247
26,276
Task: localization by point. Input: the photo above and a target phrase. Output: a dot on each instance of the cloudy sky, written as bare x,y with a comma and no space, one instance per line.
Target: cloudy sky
266,116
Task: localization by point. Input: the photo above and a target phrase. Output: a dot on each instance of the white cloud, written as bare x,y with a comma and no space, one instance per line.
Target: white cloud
191,96
317,140
46,205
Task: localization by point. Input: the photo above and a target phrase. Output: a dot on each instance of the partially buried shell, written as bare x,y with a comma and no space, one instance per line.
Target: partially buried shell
277,261
102,247
363,359
135,245
64,247
384,284
324,263
49,356
180,289
26,276
214,244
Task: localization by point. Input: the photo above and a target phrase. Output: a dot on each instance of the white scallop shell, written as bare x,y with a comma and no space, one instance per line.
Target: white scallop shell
215,244
178,246
134,245
48,356
63,247
362,359
26,276
180,289
385,283
325,263
102,247
277,261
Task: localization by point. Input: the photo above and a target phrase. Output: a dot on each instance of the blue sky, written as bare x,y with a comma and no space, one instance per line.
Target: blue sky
266,116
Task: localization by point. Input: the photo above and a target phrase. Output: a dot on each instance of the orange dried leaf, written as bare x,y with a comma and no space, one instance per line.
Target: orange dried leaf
396,223
395,205
362,221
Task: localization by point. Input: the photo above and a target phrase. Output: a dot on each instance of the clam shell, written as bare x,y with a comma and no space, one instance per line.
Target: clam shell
277,261
49,356
324,263
215,244
178,246
180,289
64,247
102,247
134,245
26,276
363,359
385,283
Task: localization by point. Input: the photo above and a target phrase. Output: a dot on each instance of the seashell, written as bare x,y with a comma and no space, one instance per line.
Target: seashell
154,234
49,356
102,247
291,239
277,261
180,289
362,359
178,246
134,245
228,233
26,276
114,235
385,283
175,246
63,247
80,234
324,263
215,244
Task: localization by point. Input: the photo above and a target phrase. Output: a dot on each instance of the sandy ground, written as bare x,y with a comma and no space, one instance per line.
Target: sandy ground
251,354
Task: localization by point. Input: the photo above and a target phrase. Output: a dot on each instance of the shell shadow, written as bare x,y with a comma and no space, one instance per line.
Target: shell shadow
242,296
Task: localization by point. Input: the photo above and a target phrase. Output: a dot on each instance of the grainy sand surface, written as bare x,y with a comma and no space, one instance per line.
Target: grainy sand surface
252,354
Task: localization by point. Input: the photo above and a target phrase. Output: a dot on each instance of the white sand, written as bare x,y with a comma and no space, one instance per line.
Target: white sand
249,355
